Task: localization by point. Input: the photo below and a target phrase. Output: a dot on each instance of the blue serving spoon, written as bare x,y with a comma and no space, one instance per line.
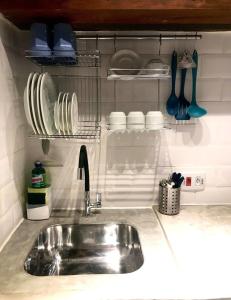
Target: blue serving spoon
194,110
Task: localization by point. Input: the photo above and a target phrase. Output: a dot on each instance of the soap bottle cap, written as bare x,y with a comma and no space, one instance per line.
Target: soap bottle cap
38,164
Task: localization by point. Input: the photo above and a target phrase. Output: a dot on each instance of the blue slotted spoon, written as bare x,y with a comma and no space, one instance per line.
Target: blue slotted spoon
194,110
172,102
183,104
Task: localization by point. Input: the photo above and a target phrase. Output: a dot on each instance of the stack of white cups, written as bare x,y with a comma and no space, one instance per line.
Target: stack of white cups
154,120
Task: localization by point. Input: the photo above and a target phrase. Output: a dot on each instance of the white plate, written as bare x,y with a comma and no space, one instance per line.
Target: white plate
33,102
73,115
40,120
62,113
67,126
48,97
56,112
126,59
27,102
55,115
27,108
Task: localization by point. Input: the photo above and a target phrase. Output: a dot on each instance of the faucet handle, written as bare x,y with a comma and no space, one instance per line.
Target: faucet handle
98,200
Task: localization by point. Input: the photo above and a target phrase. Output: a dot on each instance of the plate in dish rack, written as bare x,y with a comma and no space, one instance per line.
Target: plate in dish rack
67,121
33,96
63,114
56,111
48,96
73,113
40,120
27,102
127,62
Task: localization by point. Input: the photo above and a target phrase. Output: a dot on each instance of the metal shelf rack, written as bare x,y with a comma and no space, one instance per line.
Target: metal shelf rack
141,74
86,132
78,58
83,79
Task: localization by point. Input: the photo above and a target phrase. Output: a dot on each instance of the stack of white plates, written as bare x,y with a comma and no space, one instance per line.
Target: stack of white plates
66,113
39,99
46,113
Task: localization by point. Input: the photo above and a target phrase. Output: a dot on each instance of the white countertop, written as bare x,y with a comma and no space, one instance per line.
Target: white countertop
187,256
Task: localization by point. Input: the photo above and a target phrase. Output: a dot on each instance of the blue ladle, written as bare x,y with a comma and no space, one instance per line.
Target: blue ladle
183,104
172,102
194,110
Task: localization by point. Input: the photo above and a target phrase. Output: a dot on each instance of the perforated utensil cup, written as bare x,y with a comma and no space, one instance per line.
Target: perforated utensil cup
169,200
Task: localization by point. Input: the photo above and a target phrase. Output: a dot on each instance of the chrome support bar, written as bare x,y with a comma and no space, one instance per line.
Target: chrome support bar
139,37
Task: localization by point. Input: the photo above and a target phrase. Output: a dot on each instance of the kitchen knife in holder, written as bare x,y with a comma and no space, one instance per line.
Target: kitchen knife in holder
169,200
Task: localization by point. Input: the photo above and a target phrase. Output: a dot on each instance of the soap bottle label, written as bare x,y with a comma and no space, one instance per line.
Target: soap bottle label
38,180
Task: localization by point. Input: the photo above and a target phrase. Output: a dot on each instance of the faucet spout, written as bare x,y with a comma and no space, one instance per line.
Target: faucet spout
83,174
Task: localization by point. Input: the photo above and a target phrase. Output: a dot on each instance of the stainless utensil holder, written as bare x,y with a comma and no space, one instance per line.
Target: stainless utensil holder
169,200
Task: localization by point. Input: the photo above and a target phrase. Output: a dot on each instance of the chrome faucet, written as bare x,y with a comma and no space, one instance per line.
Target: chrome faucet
83,174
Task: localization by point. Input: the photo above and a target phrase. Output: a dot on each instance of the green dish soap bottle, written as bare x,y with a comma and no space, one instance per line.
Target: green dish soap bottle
38,176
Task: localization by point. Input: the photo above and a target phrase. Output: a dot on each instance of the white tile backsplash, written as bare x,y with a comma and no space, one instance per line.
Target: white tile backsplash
12,129
125,168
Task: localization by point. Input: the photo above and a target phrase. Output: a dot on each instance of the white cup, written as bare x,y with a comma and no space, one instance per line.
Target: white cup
154,120
135,117
117,117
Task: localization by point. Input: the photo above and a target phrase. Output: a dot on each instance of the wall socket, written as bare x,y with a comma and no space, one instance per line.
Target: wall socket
193,182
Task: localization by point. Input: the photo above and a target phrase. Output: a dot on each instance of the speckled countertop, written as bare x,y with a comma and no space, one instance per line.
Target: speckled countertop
187,256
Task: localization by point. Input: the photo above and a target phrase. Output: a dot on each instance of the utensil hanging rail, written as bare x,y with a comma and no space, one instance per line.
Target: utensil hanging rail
140,37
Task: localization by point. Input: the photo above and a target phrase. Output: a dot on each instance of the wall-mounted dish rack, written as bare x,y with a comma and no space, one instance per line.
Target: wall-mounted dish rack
83,79
87,89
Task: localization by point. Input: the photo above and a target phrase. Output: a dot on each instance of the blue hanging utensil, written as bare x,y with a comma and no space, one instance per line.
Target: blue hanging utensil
183,104
194,110
172,102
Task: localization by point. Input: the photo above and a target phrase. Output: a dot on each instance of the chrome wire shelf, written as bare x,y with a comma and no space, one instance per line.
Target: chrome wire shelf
86,133
87,89
65,58
126,74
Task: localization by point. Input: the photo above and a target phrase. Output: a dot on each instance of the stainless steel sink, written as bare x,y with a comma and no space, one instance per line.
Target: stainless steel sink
85,249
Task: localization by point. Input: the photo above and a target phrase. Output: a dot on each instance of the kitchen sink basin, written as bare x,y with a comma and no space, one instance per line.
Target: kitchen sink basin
85,249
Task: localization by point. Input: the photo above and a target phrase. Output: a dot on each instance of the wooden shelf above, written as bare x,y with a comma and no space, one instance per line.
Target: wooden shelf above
174,15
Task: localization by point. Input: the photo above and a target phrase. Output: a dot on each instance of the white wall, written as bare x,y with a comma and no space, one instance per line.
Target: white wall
131,164
13,75
127,167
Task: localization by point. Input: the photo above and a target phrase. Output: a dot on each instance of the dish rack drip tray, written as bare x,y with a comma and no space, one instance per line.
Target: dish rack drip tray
86,131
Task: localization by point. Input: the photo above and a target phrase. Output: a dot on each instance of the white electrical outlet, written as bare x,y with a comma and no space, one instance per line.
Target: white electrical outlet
193,182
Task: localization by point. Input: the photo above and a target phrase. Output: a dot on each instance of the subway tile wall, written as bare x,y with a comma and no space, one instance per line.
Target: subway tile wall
14,71
126,168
